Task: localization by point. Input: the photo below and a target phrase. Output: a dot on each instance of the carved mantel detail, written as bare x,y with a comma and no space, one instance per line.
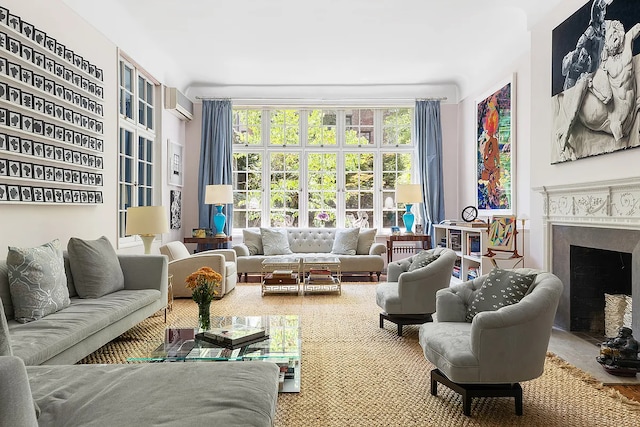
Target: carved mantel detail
608,203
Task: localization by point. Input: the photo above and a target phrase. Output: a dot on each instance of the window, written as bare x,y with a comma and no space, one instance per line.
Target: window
333,167
137,142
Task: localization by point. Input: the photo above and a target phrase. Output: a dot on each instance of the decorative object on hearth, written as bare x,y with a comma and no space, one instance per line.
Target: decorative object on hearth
205,285
619,355
146,221
408,194
219,195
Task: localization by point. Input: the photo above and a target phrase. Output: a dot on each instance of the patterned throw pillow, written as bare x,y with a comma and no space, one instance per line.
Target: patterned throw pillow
500,289
37,281
346,241
422,259
275,241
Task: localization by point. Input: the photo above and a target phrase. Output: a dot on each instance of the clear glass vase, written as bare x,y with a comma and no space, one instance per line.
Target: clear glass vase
204,316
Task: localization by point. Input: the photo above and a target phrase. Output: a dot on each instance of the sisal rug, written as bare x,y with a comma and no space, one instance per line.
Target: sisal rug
356,374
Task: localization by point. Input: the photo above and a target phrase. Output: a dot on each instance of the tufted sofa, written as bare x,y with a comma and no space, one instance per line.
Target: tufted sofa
312,242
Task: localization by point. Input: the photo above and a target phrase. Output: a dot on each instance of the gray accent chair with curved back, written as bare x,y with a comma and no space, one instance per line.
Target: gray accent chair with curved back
409,295
498,349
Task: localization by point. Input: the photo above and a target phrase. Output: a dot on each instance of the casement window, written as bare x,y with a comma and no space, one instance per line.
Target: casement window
137,142
313,166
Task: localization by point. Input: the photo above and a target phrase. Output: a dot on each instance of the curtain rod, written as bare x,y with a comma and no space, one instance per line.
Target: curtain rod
441,98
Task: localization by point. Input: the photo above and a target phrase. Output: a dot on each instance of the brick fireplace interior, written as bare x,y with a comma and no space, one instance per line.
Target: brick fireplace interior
592,261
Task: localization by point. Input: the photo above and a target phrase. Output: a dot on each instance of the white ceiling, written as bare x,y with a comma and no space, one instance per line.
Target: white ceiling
204,44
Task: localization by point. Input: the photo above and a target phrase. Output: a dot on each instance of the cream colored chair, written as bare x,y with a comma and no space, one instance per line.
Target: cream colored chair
182,264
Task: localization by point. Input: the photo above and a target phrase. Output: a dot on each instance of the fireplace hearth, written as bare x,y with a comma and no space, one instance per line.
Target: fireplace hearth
592,261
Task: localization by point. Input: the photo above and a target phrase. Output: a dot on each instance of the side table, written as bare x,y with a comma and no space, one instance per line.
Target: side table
218,242
424,238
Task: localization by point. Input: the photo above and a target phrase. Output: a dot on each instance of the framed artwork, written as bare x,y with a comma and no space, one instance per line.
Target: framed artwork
176,209
495,149
175,163
593,81
502,231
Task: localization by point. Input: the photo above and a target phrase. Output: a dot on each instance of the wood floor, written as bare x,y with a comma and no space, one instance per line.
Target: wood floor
629,391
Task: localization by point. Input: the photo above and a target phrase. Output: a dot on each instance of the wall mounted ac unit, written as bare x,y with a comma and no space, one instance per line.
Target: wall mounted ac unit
178,104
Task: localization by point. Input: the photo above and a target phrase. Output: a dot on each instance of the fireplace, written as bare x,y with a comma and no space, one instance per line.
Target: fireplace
592,261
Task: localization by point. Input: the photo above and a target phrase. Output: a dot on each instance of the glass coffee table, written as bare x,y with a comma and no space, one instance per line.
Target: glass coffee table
283,345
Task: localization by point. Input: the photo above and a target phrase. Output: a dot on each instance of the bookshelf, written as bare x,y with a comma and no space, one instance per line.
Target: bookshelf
469,243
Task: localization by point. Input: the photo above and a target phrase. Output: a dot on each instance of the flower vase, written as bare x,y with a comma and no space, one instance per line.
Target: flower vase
204,316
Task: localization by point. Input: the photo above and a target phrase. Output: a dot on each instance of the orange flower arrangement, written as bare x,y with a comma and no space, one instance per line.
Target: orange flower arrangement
205,284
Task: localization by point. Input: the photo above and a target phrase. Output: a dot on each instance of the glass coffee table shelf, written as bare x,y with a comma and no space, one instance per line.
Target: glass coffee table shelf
283,346
290,285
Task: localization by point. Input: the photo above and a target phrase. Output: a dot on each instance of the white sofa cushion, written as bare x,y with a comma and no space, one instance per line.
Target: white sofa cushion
275,241
253,241
366,238
346,241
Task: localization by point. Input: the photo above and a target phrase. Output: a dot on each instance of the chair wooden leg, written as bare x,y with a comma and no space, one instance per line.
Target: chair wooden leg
469,391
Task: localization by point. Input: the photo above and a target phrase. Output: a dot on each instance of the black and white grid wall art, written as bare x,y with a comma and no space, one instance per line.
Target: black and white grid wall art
51,118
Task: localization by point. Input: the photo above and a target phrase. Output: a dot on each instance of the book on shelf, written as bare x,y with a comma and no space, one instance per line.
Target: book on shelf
319,271
291,279
233,335
282,274
473,245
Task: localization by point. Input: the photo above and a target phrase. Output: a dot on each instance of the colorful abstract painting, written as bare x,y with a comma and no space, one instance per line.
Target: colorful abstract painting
495,150
502,231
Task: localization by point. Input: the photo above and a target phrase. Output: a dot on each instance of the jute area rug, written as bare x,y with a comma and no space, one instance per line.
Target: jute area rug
356,374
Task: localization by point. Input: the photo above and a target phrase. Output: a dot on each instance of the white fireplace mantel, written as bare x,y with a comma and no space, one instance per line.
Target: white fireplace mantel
613,204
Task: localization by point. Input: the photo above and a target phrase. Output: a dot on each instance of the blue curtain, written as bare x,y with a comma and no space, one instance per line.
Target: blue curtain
216,151
428,133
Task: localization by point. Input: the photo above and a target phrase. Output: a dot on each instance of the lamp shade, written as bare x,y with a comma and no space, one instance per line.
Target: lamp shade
408,193
218,194
146,220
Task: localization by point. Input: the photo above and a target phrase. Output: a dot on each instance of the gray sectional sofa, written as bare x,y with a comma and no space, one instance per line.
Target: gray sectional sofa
58,392
68,335
312,242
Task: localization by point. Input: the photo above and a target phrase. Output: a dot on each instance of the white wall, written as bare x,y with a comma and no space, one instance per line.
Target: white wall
32,225
618,165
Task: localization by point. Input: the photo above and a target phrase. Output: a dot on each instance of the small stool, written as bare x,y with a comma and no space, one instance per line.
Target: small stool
469,391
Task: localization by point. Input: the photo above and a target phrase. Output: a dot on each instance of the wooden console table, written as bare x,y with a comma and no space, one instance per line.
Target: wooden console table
424,238
219,242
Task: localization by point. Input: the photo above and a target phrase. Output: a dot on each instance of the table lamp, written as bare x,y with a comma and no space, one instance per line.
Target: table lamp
408,194
219,195
146,221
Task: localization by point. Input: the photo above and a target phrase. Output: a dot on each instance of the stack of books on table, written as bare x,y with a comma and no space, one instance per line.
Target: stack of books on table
281,277
320,276
233,336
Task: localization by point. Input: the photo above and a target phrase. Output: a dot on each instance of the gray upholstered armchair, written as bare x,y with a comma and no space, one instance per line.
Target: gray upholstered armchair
182,264
409,295
499,348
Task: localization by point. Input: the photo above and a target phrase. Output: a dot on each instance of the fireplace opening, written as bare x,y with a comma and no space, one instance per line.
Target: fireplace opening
593,273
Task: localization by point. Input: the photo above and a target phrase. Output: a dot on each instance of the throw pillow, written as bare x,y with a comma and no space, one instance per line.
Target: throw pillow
253,241
499,289
365,239
275,241
346,241
37,281
422,259
5,344
95,267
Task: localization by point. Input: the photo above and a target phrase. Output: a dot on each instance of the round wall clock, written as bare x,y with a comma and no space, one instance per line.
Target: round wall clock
469,214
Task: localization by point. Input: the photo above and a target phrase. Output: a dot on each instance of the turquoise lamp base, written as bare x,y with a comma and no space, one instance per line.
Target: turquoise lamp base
218,221
408,219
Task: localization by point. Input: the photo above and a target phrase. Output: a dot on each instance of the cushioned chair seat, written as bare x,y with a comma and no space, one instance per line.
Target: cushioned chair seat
38,341
409,295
